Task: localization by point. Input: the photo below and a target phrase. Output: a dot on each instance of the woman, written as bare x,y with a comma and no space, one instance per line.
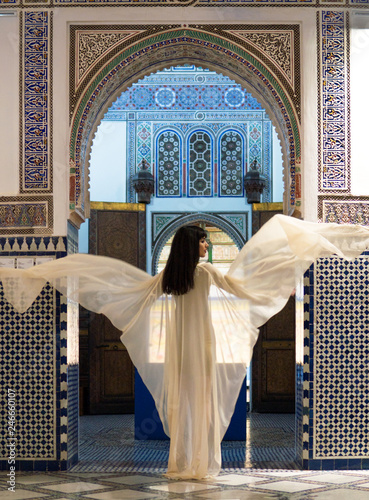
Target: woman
191,418
190,330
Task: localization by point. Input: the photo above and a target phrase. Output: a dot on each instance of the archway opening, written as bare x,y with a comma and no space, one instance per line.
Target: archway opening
110,175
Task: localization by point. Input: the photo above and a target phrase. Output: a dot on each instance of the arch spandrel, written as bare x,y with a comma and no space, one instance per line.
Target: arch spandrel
177,47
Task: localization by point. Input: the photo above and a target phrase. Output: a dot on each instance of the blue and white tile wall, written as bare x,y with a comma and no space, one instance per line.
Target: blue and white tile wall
39,367
168,110
334,414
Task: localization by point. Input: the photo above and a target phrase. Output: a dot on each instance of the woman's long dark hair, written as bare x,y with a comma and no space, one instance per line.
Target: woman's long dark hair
178,277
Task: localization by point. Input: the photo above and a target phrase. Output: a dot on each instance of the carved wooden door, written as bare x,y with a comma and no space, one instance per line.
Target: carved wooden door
116,230
273,362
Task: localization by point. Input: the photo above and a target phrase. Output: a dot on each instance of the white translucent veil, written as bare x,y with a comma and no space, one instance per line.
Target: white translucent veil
256,287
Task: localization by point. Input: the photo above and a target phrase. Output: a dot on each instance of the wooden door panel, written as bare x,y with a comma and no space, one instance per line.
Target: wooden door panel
273,362
119,234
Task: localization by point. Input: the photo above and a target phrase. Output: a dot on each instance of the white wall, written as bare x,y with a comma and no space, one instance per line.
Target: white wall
108,163
359,76
9,105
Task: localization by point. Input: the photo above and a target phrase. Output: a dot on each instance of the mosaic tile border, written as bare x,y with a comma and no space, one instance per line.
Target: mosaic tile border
26,215
208,41
344,210
152,99
36,102
333,101
300,298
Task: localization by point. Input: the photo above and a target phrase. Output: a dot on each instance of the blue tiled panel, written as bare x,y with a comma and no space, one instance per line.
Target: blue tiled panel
334,175
336,379
27,369
36,77
35,366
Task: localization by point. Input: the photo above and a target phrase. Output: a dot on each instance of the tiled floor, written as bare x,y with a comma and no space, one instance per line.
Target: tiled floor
114,466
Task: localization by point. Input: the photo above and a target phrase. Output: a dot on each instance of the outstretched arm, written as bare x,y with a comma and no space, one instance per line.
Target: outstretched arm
100,284
266,269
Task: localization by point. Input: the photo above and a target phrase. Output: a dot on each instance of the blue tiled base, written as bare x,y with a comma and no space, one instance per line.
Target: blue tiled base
336,464
36,465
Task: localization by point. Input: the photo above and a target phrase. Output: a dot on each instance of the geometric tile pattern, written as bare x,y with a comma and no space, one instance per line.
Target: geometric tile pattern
267,161
169,164
37,82
28,369
346,211
185,97
255,142
200,164
26,214
23,214
231,164
341,353
131,158
34,365
335,377
227,181
334,173
181,85
166,131
258,483
144,143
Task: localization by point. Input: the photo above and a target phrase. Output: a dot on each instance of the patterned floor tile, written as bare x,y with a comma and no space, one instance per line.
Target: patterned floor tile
132,479
289,486
75,487
182,487
37,479
285,473
20,494
335,478
341,494
107,444
122,495
119,468
237,479
237,495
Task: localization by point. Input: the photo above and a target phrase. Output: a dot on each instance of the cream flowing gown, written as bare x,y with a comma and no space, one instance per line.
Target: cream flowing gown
192,350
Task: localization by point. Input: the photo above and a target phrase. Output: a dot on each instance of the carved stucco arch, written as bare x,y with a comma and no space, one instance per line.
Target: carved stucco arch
170,229
154,53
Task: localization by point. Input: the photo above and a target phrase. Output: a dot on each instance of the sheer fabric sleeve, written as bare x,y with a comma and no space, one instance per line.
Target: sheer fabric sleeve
267,268
100,284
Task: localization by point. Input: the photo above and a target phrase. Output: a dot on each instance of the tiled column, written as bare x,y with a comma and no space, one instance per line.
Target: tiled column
39,368
333,382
